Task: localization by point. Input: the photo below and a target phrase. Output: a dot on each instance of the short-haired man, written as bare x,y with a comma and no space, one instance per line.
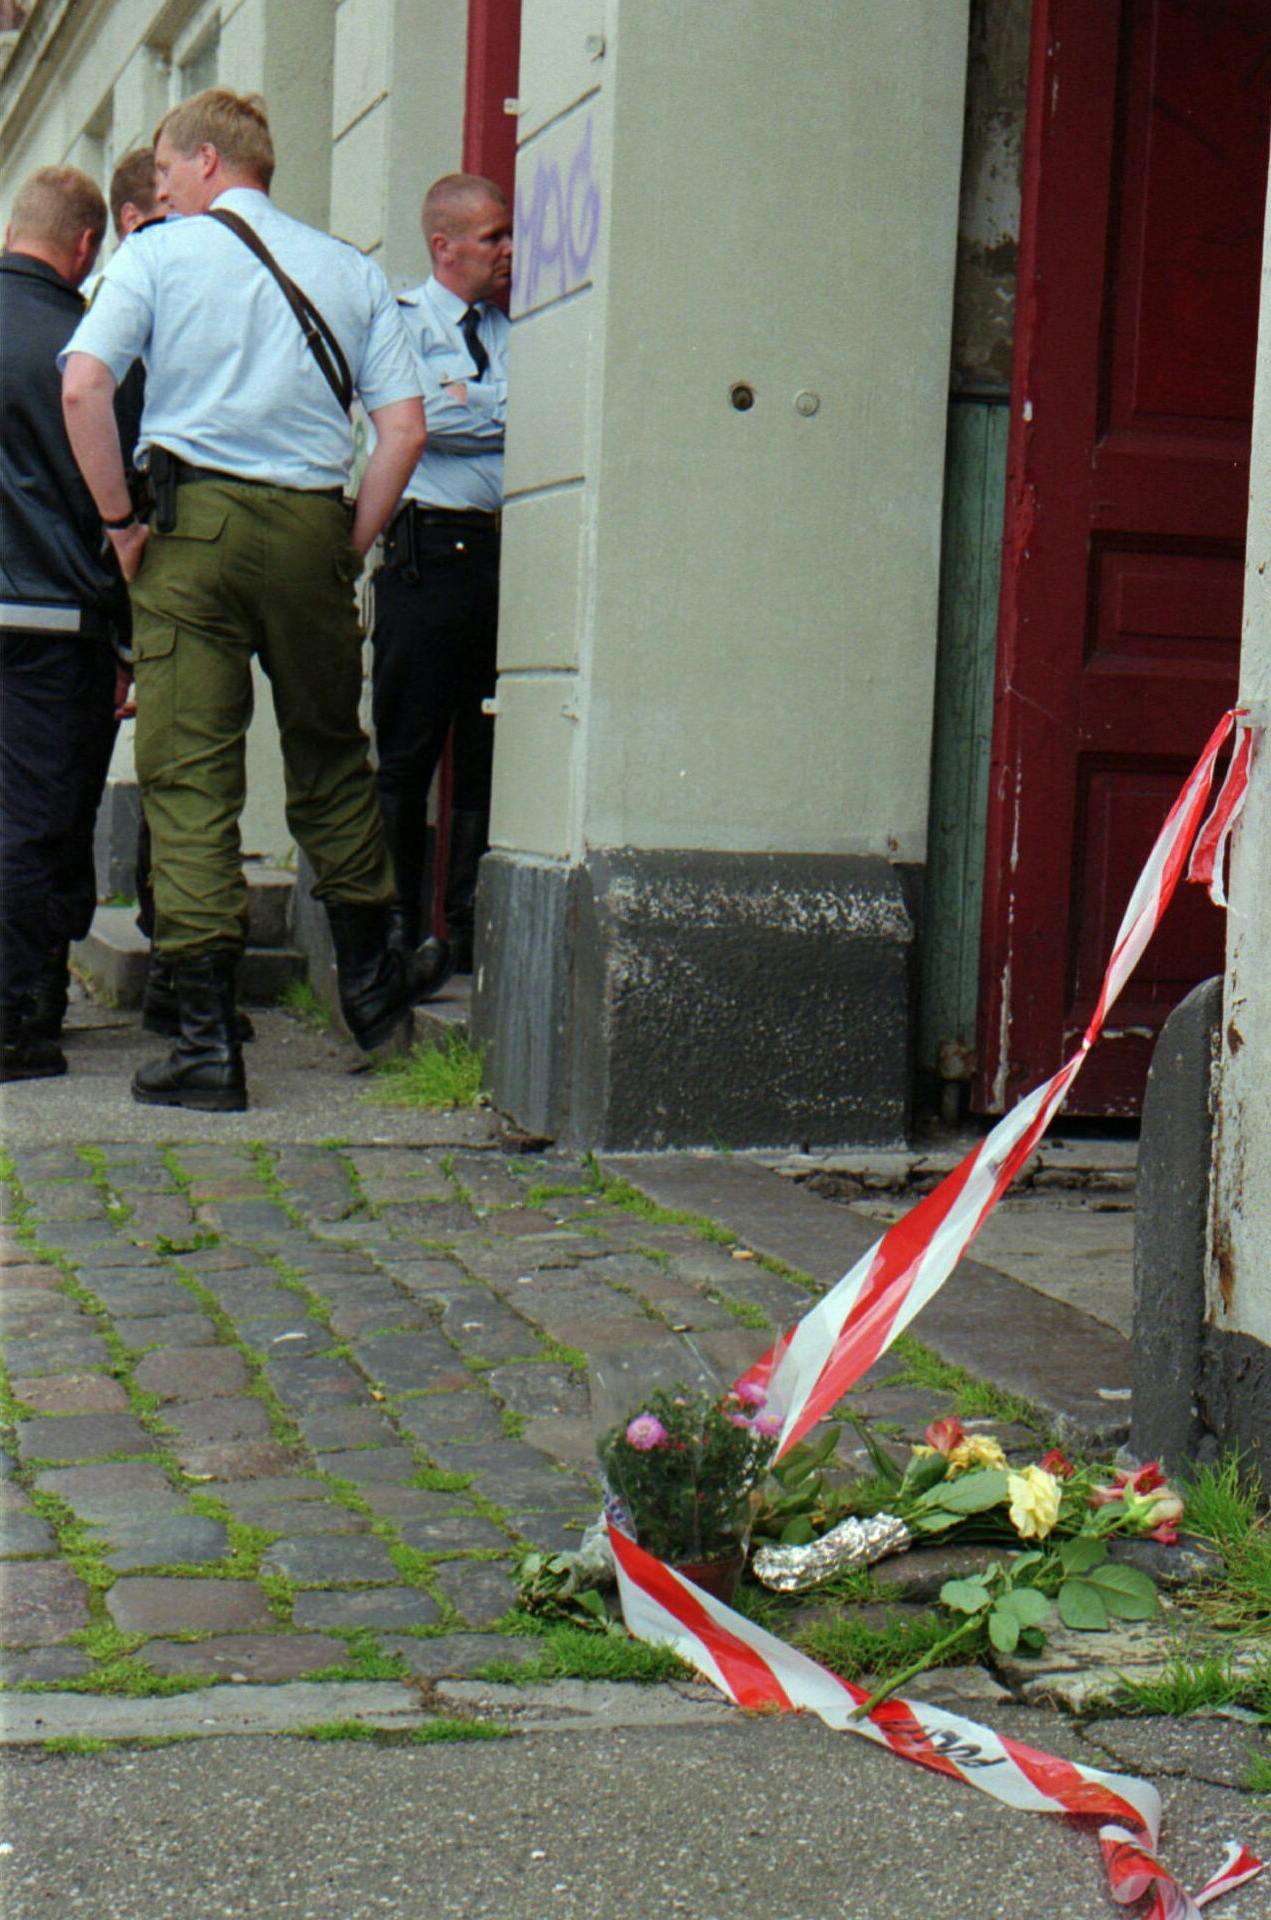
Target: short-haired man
252,553
437,593
57,668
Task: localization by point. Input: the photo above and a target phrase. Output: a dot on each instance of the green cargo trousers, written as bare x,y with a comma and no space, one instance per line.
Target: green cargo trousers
265,571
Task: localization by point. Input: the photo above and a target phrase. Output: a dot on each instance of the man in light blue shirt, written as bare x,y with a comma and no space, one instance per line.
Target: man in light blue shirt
437,593
255,331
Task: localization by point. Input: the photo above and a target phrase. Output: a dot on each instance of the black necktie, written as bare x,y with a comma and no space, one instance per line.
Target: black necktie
468,327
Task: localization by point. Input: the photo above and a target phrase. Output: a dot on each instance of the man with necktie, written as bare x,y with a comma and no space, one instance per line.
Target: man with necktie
437,593
256,332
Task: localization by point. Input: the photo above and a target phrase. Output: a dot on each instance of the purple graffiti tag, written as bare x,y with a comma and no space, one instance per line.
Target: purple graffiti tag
557,226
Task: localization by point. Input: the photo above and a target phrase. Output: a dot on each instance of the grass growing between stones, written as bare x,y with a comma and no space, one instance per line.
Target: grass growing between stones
302,1003
853,1648
572,1653
430,1732
75,1743
1192,1685
1228,1507
976,1399
437,1077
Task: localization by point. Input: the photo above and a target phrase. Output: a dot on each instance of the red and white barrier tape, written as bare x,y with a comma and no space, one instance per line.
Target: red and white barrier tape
812,1366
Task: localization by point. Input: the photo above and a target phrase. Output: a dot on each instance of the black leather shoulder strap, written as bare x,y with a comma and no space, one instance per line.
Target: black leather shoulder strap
319,338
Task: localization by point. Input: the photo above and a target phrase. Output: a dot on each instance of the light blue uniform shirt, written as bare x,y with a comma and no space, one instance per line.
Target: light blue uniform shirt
230,382
462,465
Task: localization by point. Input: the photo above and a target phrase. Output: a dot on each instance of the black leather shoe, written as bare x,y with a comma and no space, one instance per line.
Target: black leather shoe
159,1013
205,1068
380,984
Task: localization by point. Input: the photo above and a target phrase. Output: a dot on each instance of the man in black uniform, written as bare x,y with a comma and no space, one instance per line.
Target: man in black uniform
57,668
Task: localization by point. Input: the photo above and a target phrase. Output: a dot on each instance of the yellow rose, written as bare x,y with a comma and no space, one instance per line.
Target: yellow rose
977,1450
1034,1498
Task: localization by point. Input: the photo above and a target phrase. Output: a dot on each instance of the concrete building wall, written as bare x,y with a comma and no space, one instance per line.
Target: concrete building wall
736,643
1238,1348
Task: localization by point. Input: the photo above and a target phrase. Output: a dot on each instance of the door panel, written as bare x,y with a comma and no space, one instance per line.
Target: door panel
1145,177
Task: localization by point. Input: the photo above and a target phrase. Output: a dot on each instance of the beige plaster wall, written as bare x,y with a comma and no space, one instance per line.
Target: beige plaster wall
1240,1226
740,653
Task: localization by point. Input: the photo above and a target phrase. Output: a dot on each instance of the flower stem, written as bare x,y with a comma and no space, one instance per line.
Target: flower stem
928,1659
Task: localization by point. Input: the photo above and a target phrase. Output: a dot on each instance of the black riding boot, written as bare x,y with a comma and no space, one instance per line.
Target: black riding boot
469,839
406,835
159,1012
52,990
205,1068
379,984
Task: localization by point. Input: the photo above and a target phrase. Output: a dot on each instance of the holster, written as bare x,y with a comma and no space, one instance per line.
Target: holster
402,550
163,488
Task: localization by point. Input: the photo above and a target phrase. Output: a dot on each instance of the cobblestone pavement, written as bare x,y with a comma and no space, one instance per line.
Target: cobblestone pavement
276,1413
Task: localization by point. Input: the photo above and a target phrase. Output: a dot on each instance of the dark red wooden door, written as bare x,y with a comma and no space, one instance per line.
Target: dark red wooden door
1145,177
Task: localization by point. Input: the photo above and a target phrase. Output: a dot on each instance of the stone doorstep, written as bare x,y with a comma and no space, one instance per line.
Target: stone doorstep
113,954
1058,1164
445,1019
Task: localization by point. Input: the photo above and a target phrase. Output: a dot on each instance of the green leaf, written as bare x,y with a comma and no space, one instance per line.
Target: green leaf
925,1470
970,1492
934,1522
1023,1560
1081,1606
797,1533
1126,1593
1031,1640
1079,1555
1003,1630
1029,1607
965,1596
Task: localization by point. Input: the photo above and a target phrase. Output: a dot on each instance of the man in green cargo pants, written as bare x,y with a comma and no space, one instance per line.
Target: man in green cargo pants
256,332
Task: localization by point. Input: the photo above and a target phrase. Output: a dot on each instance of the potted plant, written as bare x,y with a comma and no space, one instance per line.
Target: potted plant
683,1465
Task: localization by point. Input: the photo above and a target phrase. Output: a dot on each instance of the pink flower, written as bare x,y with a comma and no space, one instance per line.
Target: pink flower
1145,1480
750,1394
1058,1463
739,1420
945,1435
1166,1533
646,1432
769,1425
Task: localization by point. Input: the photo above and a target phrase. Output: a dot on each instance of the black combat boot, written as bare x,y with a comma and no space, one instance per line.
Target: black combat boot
380,984
52,991
406,836
205,1068
469,839
25,1055
159,1013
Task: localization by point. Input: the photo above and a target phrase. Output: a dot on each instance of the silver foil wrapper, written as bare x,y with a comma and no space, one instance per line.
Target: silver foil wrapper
853,1543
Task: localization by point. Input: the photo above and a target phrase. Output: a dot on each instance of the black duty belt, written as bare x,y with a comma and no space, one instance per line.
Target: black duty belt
473,519
183,471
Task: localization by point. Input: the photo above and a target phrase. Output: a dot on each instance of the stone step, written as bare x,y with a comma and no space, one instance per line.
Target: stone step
114,955
439,1021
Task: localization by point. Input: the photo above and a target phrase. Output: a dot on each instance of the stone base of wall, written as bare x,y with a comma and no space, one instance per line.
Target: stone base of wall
645,1000
1197,1390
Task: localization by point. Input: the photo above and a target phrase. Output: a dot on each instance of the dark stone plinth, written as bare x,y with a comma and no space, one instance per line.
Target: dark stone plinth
74,1393
1171,1209
481,1590
157,1603
192,1373
322,1560
250,1656
366,1607
629,1002
1235,1394
85,1436
43,1602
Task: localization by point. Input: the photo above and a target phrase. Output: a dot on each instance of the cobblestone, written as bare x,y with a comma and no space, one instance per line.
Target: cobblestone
159,1603
74,1393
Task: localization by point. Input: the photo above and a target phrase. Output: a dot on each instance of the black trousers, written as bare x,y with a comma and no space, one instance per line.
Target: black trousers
57,732
434,644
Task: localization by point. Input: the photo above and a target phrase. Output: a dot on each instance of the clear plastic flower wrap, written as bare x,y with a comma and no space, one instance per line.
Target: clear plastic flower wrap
681,1450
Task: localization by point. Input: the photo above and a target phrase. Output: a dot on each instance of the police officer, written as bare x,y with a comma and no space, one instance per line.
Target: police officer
57,669
437,594
256,331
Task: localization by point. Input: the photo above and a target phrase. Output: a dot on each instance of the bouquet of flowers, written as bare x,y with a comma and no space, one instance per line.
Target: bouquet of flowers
684,1465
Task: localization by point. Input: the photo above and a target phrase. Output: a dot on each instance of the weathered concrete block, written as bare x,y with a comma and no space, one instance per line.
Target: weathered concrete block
677,998
1170,1230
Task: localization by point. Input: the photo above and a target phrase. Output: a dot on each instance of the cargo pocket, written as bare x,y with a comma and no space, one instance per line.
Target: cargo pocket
155,673
183,578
